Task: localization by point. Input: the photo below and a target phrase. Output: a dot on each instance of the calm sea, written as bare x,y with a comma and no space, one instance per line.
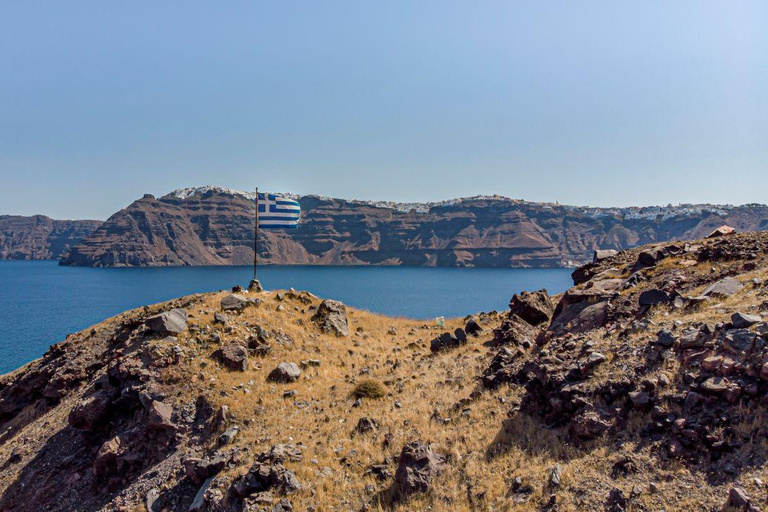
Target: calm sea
41,302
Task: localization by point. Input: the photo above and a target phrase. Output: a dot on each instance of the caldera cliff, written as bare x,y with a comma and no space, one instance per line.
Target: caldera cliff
214,226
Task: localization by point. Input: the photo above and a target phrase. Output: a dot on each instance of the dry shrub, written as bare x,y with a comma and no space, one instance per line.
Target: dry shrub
370,388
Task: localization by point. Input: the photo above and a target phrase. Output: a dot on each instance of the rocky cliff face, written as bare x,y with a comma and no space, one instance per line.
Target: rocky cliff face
213,226
643,387
39,237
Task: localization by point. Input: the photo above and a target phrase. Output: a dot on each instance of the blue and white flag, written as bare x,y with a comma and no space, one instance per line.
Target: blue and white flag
277,212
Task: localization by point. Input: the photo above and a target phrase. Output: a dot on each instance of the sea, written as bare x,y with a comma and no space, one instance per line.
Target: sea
41,302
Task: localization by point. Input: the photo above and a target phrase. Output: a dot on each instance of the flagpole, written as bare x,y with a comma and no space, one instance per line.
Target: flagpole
256,236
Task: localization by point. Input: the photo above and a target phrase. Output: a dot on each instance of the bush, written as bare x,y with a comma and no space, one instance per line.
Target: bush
370,389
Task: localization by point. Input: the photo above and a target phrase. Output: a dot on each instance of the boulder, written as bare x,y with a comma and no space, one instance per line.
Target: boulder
601,254
723,288
448,341
169,322
198,504
417,466
589,424
89,413
285,372
533,307
653,296
741,320
234,356
159,416
107,458
199,470
514,331
331,317
472,327
234,302
722,231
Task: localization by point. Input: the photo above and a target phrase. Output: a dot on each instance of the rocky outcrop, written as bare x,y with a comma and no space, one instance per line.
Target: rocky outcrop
212,226
39,237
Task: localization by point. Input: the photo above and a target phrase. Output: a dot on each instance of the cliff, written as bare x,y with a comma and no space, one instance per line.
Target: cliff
641,388
214,226
39,237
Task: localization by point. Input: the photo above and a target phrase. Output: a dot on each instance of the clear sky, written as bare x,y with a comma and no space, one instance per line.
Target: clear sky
590,103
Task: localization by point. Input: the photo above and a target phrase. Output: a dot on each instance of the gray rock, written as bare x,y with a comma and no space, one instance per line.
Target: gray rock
666,339
198,504
555,475
228,436
331,317
738,498
533,307
255,286
653,296
741,320
169,322
234,356
739,340
724,288
285,372
601,254
418,465
234,302
159,416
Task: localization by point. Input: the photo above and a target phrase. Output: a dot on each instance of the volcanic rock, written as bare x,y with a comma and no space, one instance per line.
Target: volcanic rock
168,322
417,467
331,317
285,372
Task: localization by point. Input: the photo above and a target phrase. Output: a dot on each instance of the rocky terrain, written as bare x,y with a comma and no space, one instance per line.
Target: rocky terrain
214,226
39,237
641,388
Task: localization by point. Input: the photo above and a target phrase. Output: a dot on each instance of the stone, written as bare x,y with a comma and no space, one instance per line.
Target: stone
723,288
234,302
616,500
228,436
365,425
221,319
285,372
653,297
742,320
107,458
159,416
738,498
331,317
533,307
739,340
448,341
555,475
198,504
255,286
601,254
417,467
665,338
199,470
723,230
89,413
233,356
589,424
714,385
168,322
472,328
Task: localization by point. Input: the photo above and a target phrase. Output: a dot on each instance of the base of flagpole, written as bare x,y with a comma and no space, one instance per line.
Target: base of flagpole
255,286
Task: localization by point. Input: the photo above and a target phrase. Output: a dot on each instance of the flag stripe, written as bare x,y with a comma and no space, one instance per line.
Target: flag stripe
277,212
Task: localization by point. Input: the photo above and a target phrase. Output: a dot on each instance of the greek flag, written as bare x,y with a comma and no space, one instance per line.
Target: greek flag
277,212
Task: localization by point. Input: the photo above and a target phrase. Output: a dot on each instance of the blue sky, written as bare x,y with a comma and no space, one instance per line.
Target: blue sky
591,103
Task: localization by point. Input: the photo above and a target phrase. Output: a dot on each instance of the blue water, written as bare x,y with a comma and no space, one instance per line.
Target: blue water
41,302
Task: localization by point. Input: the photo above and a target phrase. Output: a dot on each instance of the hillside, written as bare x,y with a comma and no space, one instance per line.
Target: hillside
39,237
641,388
214,226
